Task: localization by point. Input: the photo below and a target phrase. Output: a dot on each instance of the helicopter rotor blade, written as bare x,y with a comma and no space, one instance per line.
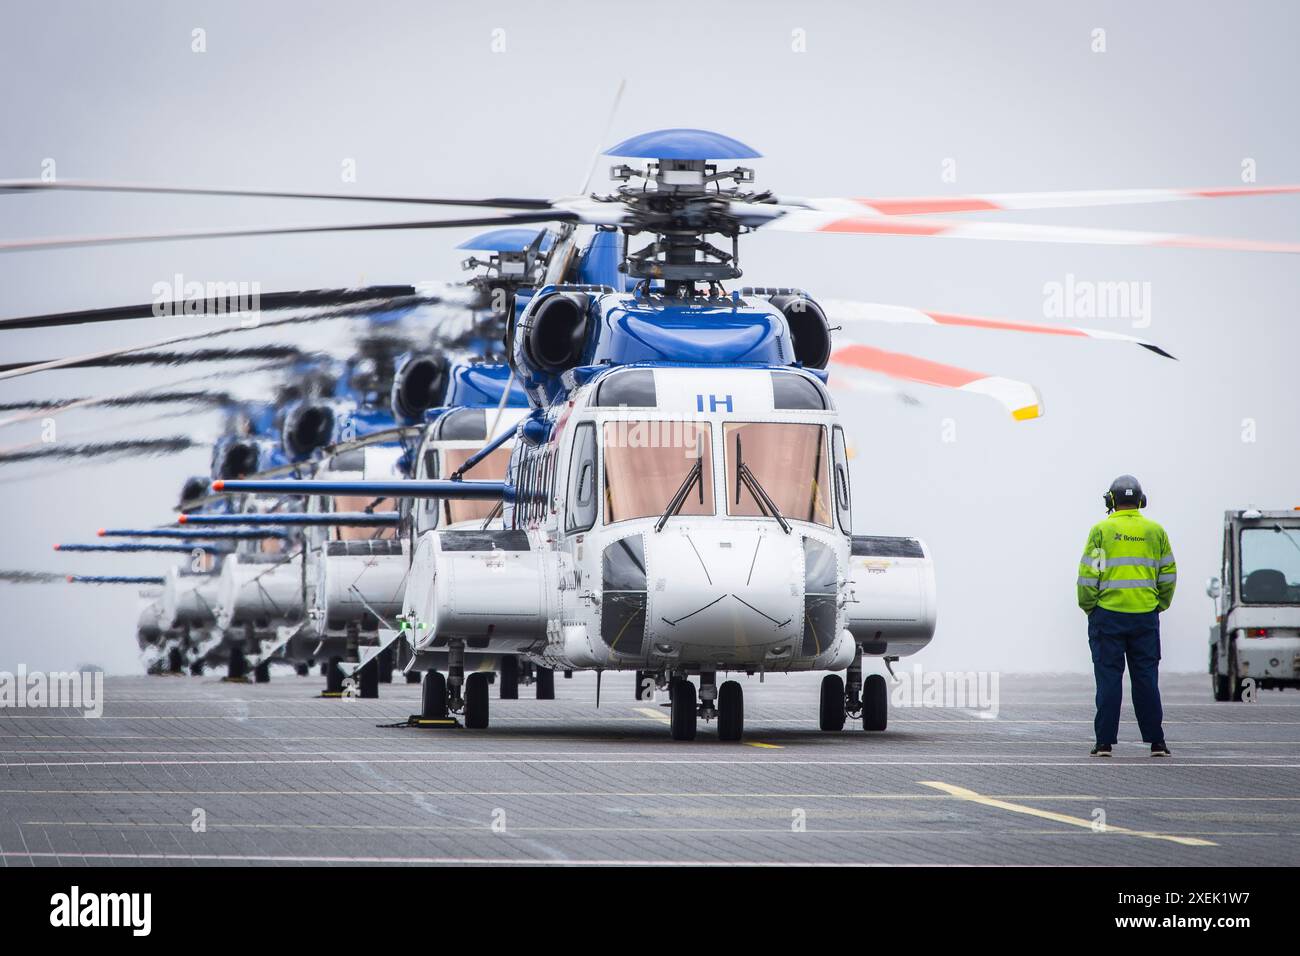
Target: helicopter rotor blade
117,449
74,242
841,310
85,185
604,136
1069,199
1019,398
50,577
803,220
256,353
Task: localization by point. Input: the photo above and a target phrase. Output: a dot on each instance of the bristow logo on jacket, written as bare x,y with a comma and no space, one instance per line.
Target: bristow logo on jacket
1127,566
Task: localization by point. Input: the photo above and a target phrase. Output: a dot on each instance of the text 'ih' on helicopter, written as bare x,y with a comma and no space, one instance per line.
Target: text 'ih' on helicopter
678,502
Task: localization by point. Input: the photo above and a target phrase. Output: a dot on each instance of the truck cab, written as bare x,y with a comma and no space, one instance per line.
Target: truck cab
1255,640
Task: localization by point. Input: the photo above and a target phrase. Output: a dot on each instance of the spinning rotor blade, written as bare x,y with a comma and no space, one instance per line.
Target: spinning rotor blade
127,548
802,220
70,242
1072,199
257,353
83,185
359,519
126,401
184,535
408,488
1019,398
842,310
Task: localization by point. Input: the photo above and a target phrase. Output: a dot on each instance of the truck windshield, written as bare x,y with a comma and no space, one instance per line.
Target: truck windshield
790,462
647,461
1270,565
491,468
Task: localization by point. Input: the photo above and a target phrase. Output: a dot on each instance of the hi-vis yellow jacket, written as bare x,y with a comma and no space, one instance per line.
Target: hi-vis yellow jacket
1127,565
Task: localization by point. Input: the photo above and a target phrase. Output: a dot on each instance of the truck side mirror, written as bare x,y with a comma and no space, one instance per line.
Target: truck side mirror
1214,588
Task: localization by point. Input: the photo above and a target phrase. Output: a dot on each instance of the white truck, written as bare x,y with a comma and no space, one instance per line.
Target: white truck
1255,640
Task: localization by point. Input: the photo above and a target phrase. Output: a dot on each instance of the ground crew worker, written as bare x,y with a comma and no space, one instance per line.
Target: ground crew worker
1126,578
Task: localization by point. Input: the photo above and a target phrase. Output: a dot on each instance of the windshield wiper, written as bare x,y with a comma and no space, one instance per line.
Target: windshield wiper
679,498
1289,536
747,477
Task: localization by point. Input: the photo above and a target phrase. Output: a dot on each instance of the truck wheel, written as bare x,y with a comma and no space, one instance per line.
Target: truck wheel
1238,690
1220,682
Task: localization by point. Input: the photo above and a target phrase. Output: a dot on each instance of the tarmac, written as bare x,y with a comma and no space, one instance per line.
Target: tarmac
187,771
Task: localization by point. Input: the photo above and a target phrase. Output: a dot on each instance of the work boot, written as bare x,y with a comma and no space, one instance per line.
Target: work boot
1100,750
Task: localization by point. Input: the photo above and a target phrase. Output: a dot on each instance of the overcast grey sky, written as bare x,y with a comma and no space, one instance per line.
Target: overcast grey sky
884,98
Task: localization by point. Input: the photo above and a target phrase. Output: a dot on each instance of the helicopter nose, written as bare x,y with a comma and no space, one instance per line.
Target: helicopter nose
731,593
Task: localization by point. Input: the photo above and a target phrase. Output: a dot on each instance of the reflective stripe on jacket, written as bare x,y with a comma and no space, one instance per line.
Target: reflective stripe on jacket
1127,565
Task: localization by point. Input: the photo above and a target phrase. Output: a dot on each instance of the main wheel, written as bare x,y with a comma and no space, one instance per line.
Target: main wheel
237,666
875,703
302,670
433,696
476,701
830,715
413,677
731,711
1220,683
196,669
333,676
368,679
262,673
510,677
324,669
175,660
385,663
545,683
683,711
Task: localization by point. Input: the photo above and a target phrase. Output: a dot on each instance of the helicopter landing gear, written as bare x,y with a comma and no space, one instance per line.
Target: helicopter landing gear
831,715
433,696
237,665
476,701
509,677
384,663
333,676
683,709
545,683
262,673
731,711
368,679
875,703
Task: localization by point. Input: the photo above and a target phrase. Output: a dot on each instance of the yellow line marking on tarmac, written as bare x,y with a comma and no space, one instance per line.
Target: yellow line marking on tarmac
962,793
759,743
654,714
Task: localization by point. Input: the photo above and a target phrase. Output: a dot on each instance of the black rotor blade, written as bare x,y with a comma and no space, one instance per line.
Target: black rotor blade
266,302
124,401
72,242
257,353
81,185
130,447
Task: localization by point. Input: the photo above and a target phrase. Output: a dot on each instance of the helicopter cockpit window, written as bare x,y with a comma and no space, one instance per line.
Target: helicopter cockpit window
787,463
463,424
1270,565
361,503
634,388
582,500
648,462
791,390
491,468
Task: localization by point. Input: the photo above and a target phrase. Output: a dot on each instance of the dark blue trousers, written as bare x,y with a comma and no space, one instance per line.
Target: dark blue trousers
1114,636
